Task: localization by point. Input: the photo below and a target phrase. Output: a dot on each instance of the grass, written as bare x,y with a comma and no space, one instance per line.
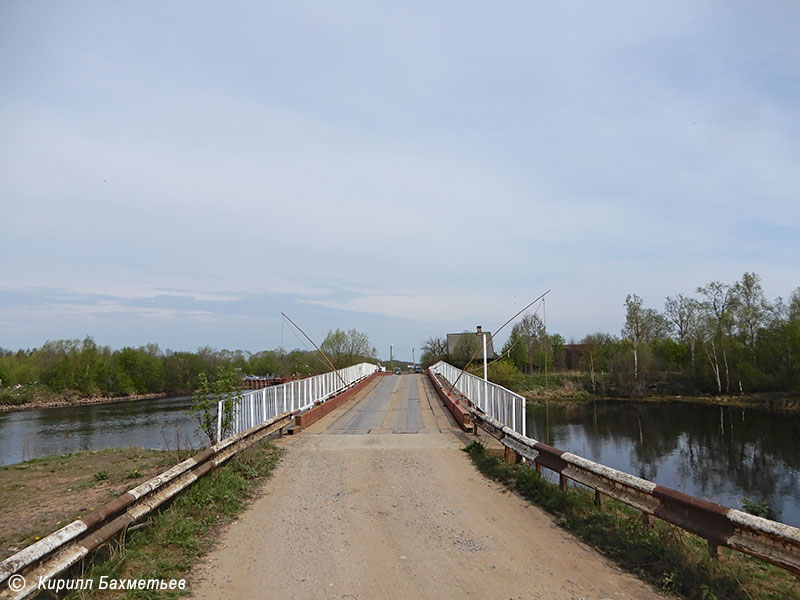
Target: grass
176,535
22,395
42,495
560,385
672,560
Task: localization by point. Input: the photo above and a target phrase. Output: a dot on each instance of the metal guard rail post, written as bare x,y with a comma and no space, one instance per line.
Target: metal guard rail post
773,542
494,400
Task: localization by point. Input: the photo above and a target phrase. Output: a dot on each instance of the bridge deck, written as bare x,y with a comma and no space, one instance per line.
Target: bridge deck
376,500
396,405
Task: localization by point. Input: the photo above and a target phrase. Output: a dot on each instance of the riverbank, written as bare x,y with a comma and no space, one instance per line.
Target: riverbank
570,387
12,400
574,386
774,402
674,561
39,496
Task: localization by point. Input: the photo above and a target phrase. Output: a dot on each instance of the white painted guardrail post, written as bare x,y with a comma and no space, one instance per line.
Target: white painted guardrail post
492,399
219,420
298,395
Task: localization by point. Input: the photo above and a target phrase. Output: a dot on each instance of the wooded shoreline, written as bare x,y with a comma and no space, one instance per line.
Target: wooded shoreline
766,401
67,401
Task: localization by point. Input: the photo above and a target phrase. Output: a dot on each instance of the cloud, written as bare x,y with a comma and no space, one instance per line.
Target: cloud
410,167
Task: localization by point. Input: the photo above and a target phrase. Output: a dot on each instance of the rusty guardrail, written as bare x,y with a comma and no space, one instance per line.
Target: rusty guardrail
773,542
62,549
460,413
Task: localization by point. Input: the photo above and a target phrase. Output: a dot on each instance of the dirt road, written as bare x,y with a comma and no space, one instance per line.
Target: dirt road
377,500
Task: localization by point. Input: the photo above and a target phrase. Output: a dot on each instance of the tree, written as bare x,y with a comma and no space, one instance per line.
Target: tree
634,328
642,325
528,345
224,388
263,363
779,343
181,370
141,372
684,314
596,355
516,350
434,349
717,308
467,346
749,309
553,353
89,366
348,348
794,305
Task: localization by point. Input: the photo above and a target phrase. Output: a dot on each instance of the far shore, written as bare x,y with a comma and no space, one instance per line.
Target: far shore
781,402
77,401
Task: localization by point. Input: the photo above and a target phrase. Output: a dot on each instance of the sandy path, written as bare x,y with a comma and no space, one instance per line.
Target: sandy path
397,515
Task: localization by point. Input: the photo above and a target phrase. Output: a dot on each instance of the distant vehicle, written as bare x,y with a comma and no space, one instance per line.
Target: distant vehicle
417,369
397,371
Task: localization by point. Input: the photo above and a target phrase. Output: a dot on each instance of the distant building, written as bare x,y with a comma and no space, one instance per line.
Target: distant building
454,338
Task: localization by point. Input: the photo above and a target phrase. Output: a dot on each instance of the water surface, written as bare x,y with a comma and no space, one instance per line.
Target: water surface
720,453
161,423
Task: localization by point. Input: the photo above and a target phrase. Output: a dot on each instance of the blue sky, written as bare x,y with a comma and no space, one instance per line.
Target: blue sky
182,172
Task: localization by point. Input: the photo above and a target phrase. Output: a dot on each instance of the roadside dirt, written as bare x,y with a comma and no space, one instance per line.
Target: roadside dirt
391,515
42,495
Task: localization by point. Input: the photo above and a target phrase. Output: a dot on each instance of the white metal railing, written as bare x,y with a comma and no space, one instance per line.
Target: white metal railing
492,399
257,406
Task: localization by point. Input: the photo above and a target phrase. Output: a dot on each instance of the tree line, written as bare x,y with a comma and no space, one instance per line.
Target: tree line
726,338
83,367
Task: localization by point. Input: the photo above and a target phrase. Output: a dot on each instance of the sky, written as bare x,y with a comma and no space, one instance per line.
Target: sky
183,172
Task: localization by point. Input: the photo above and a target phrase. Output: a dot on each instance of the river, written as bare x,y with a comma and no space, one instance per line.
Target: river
162,423
721,453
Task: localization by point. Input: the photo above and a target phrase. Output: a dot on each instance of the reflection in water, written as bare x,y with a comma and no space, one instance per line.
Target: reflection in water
161,423
719,453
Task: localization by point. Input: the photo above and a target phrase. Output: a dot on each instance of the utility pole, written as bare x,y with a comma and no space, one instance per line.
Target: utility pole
485,375
413,360
391,357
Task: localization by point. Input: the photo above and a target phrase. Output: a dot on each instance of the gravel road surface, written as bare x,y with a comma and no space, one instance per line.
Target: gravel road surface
377,500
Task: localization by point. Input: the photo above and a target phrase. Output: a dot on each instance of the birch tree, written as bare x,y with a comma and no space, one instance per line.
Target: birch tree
642,325
684,315
717,304
750,309
634,328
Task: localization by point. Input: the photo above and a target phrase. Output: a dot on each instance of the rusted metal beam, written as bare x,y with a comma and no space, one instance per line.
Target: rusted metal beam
773,542
460,412
62,549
